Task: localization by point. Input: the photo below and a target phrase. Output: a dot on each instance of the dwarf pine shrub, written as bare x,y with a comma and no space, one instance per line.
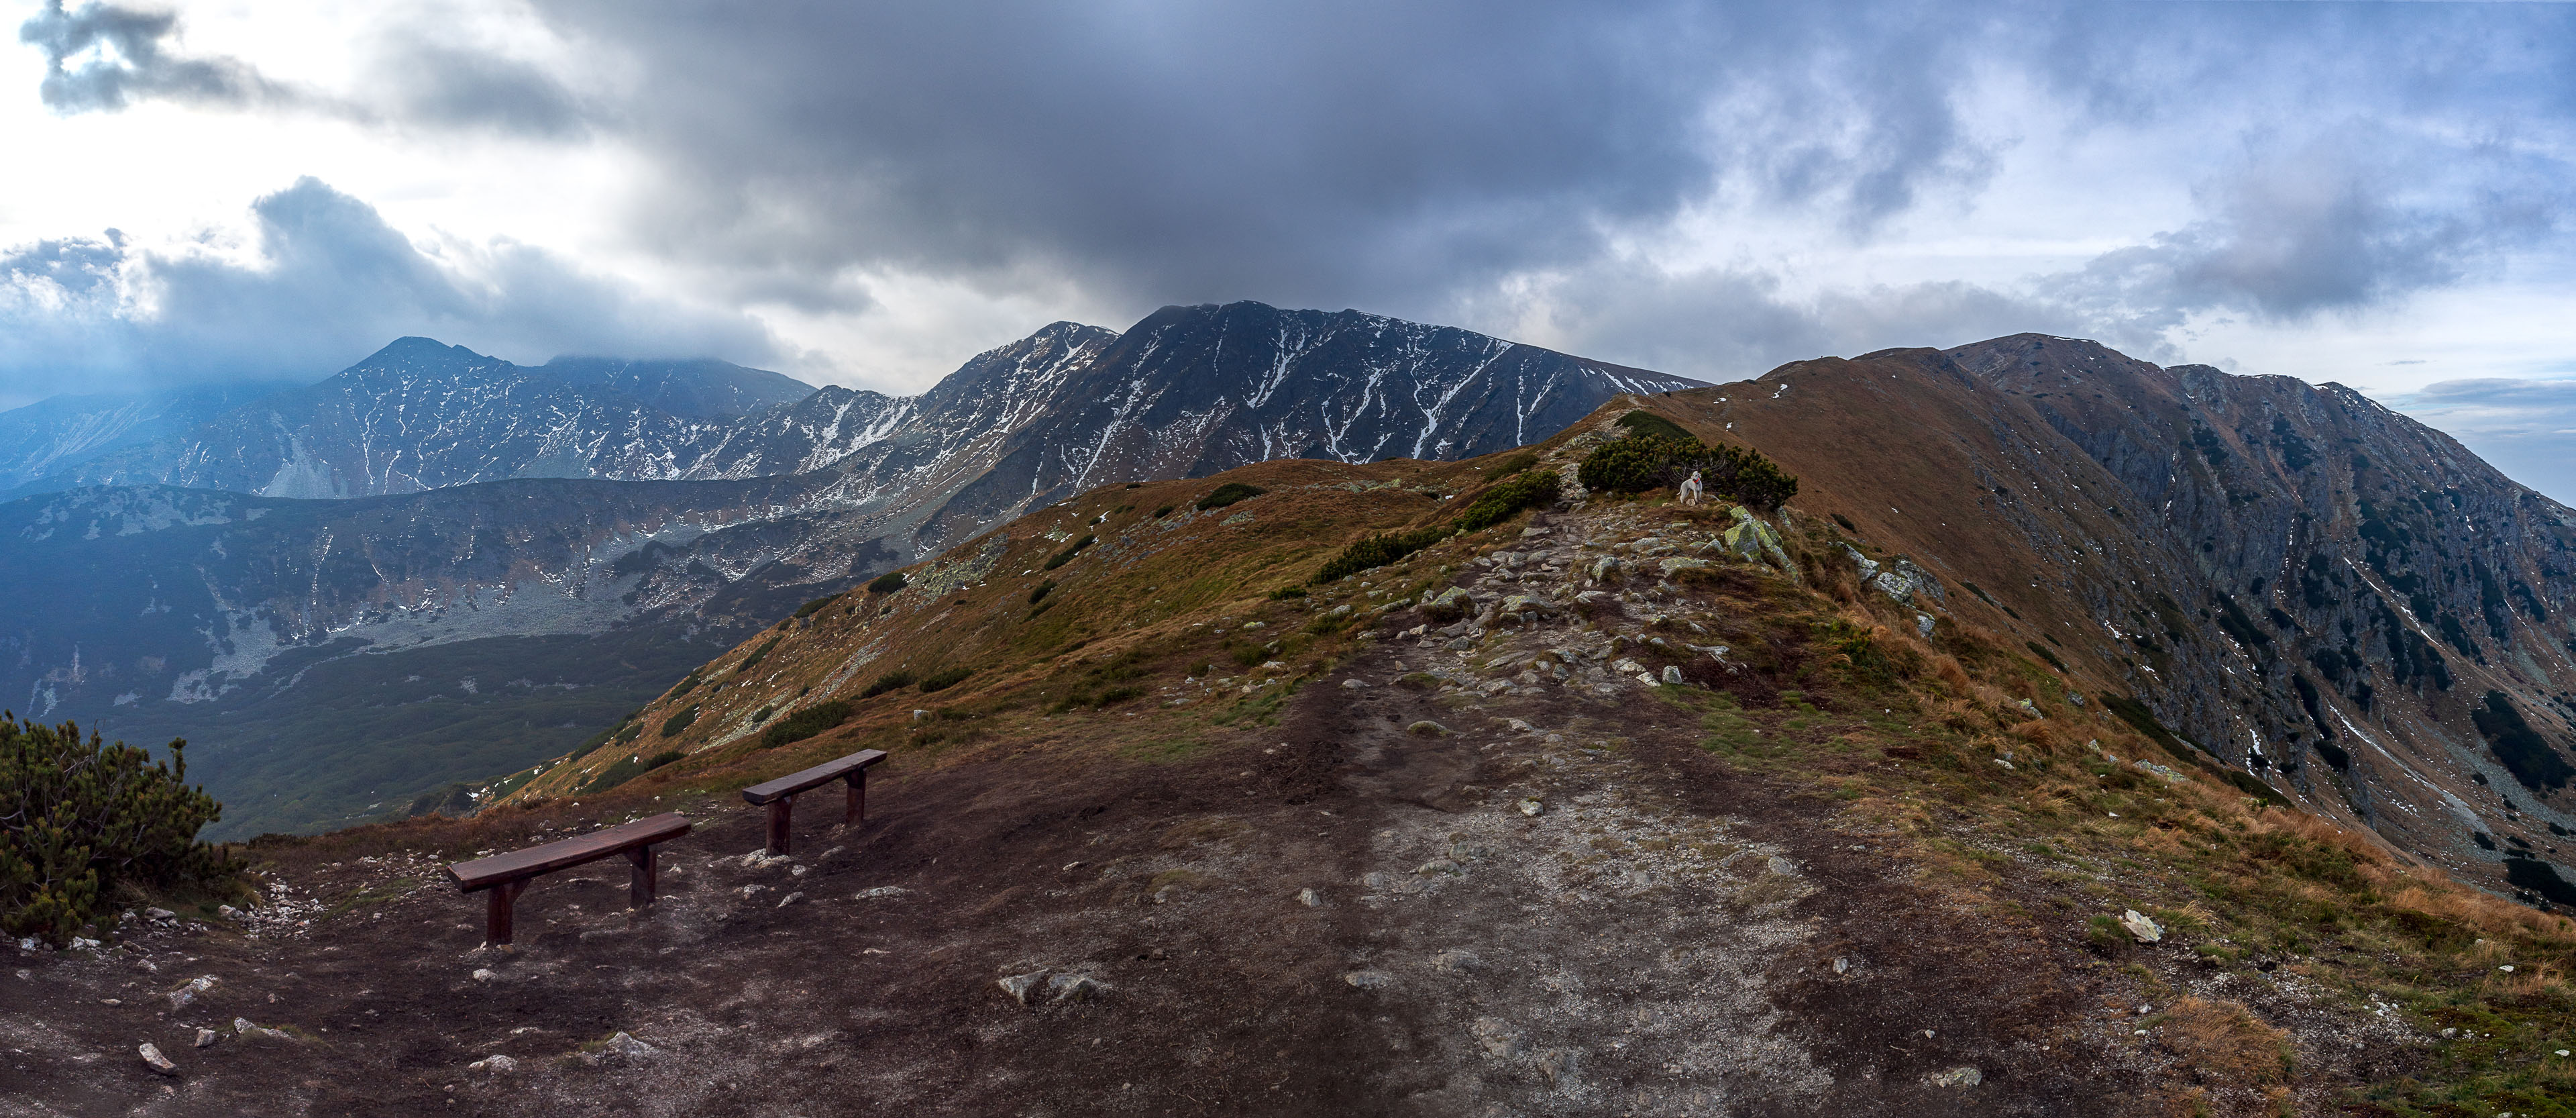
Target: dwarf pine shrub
1379,550
77,817
1066,556
1646,460
1228,494
1498,503
806,723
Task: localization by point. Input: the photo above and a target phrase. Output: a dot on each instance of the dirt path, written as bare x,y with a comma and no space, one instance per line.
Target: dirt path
1572,913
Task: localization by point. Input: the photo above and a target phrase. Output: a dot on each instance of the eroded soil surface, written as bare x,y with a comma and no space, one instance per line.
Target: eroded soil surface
1537,903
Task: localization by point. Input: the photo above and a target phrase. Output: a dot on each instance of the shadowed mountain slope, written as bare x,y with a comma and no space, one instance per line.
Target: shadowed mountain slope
2291,577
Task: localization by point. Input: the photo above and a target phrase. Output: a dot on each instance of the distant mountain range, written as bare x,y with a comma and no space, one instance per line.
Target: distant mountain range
420,415
53,436
509,555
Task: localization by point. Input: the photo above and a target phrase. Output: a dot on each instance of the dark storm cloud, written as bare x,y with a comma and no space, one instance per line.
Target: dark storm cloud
1332,153
332,283
1475,160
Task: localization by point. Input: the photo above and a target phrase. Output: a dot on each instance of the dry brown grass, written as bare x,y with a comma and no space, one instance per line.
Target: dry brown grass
2222,1042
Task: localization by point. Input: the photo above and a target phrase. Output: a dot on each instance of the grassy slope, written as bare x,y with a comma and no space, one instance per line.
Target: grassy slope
1838,698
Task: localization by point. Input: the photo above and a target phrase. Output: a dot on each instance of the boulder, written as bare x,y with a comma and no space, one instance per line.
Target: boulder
2140,927
1020,986
623,1048
185,994
1076,988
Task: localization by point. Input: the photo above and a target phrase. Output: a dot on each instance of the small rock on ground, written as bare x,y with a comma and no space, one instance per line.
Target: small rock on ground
1019,986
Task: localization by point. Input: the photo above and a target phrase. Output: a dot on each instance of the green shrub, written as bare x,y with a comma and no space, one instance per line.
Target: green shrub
757,655
681,721
1228,494
626,729
77,817
1162,512
811,608
1646,461
1066,556
1500,502
1631,465
2045,654
1378,551
886,583
945,680
687,684
1043,589
806,723
1084,698
1648,423
627,769
1286,592
892,680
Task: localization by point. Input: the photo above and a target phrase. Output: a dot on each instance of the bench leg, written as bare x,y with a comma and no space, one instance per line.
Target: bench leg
778,809
639,885
858,806
498,901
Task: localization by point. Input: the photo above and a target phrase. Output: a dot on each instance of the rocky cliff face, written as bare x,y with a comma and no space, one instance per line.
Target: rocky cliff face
2332,596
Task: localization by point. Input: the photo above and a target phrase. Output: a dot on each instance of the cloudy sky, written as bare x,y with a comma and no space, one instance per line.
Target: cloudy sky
2372,193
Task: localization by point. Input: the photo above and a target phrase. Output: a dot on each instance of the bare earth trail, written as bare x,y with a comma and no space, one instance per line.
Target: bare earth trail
1658,938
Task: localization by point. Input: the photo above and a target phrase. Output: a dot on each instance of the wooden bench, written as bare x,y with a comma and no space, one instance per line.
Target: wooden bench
505,876
780,794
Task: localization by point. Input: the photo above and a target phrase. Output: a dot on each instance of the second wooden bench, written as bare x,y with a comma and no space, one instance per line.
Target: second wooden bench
505,876
780,794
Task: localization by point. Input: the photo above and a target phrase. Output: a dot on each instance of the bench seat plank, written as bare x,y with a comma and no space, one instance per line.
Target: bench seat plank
824,773
484,873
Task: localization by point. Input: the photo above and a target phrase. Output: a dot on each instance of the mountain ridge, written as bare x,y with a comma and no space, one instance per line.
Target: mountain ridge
356,553
2293,578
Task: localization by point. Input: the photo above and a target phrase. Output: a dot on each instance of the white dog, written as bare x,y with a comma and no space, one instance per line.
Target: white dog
1692,489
